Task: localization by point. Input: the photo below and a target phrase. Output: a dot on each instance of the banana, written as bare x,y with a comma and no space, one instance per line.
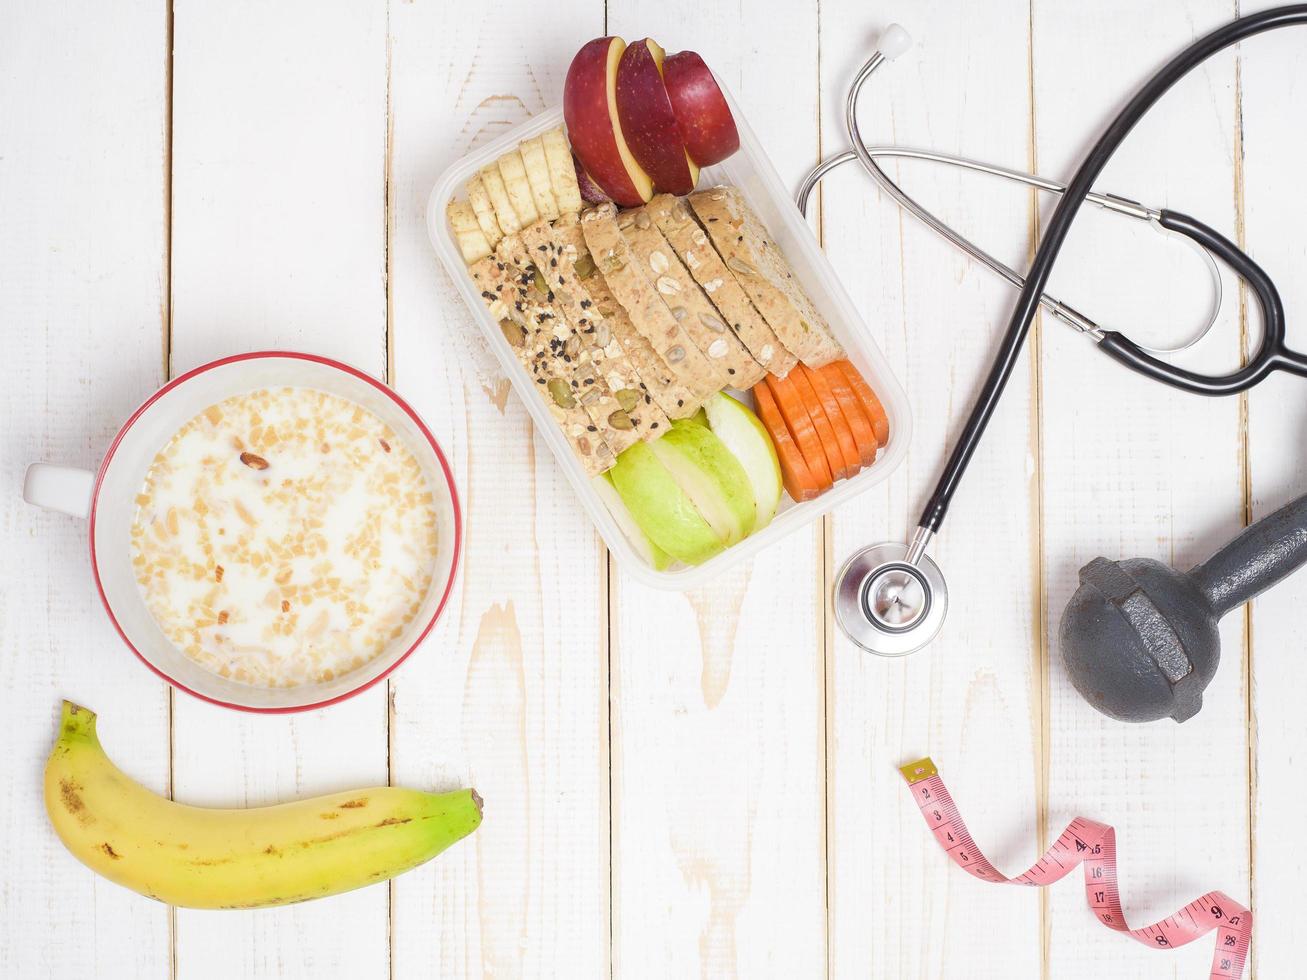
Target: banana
235,859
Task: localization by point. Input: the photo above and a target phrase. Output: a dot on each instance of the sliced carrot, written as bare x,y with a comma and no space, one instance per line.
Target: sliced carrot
863,435
799,482
801,428
825,431
875,411
835,415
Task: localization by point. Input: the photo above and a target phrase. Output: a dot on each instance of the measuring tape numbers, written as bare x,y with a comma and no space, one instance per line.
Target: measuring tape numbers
1092,844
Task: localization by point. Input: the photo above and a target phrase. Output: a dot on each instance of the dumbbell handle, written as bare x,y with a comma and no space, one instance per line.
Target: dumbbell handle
1260,556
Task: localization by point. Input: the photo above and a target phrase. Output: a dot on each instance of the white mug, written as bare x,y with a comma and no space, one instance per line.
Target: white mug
108,500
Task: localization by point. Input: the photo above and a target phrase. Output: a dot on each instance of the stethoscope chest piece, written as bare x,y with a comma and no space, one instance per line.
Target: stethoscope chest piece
888,605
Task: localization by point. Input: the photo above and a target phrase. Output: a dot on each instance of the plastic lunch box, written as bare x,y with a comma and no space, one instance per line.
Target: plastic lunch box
752,172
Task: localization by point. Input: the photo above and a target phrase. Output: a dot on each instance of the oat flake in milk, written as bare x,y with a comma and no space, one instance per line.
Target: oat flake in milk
284,536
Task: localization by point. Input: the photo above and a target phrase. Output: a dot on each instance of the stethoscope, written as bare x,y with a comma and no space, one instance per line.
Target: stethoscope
891,598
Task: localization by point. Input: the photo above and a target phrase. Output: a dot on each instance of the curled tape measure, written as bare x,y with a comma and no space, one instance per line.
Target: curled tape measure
1092,844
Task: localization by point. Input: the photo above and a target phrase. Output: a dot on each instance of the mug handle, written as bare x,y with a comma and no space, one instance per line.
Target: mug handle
66,489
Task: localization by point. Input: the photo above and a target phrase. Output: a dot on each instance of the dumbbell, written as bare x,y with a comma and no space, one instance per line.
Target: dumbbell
1140,639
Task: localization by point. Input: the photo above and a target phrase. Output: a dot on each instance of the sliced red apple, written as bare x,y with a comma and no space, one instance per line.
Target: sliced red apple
649,121
707,126
591,192
593,126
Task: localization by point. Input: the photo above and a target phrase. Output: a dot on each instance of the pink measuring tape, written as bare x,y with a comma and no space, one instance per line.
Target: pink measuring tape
1093,844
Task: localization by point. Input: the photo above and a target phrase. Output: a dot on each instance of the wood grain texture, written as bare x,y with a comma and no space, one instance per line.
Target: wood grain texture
1274,212
972,700
510,692
1146,472
279,150
676,785
718,865
82,287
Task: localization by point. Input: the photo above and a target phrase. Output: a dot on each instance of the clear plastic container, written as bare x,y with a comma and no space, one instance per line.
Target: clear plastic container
752,172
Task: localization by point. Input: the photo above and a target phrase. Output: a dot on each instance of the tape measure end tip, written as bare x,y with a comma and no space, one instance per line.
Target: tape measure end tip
914,772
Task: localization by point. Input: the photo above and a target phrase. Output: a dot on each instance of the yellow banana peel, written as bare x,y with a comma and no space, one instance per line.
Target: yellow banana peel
206,858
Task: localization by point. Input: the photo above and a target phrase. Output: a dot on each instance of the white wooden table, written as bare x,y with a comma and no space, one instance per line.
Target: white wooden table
676,785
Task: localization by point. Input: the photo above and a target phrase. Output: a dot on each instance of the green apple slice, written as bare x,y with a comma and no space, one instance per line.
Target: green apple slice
711,477
748,441
644,547
661,508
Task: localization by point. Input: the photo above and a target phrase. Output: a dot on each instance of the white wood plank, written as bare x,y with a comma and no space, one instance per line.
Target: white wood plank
279,147
718,863
974,699
82,272
1132,468
1273,86
510,692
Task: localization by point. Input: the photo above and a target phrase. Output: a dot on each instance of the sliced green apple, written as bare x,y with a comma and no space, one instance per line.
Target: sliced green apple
711,477
661,508
641,542
747,439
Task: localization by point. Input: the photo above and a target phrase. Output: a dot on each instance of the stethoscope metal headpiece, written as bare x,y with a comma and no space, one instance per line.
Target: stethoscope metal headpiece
890,598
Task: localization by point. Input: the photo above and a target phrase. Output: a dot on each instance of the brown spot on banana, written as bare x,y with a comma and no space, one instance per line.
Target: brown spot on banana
70,796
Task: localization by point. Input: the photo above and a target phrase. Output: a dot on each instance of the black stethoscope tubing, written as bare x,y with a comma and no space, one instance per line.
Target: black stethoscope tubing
1271,355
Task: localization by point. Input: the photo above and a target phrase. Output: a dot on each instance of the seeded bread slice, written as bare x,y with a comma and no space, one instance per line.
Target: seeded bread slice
759,267
560,352
676,400
688,303
498,284
643,304
691,245
597,342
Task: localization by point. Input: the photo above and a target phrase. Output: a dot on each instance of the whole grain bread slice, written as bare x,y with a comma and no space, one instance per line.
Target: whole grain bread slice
498,283
644,305
674,398
758,266
557,352
688,302
596,341
692,247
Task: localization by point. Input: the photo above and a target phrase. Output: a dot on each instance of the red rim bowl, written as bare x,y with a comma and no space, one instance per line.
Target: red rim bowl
356,373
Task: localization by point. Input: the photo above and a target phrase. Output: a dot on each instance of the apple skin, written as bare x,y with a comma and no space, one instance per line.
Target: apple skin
649,121
640,541
707,126
591,192
661,508
711,477
747,439
590,111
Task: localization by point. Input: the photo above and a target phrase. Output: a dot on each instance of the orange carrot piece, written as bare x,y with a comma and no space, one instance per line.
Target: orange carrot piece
835,415
825,431
799,482
875,411
863,435
801,428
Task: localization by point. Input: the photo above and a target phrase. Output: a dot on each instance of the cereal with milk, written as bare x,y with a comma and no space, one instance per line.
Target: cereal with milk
284,536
